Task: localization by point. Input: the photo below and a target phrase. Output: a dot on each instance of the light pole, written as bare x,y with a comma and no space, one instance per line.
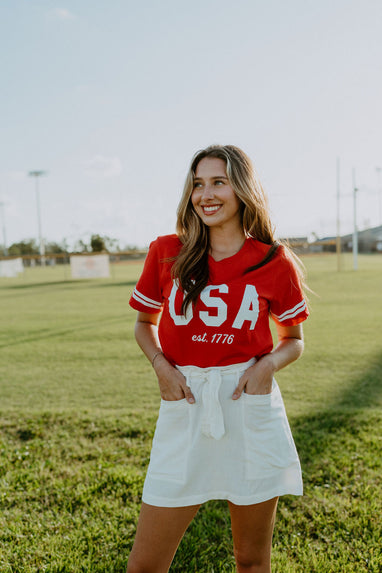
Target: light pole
2,205
338,239
379,193
36,175
355,230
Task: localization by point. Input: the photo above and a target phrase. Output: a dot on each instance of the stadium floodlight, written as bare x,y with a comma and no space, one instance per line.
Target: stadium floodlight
5,250
37,175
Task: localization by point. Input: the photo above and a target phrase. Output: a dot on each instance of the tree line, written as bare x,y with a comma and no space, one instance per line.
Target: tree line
97,244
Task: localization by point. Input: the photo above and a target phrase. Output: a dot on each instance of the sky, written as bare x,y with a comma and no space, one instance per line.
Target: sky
113,98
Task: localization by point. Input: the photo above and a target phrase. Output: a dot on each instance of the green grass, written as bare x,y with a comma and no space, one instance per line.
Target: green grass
78,405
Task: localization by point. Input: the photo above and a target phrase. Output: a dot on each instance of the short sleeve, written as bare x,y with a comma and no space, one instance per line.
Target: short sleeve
147,295
288,306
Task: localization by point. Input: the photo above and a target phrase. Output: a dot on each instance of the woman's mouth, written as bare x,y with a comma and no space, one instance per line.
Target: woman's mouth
210,209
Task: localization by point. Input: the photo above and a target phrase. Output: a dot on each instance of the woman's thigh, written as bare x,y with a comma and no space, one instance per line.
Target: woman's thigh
252,531
159,532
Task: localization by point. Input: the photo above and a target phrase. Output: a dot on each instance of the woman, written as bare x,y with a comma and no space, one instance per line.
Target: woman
204,301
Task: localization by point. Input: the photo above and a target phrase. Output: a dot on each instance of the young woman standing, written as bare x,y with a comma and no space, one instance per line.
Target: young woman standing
204,301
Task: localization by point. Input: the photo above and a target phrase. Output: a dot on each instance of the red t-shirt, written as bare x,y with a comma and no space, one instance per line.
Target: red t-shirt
230,321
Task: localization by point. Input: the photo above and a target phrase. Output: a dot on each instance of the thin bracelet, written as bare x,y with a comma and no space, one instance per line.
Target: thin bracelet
155,355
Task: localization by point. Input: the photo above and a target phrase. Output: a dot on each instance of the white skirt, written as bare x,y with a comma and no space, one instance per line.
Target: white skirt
218,448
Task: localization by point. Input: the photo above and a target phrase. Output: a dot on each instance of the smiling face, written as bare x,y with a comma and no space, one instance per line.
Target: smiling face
213,198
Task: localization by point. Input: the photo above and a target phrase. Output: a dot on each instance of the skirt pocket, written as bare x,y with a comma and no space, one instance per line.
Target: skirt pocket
168,458
268,441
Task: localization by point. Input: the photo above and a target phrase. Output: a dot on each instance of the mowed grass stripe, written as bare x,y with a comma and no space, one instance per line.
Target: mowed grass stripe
78,405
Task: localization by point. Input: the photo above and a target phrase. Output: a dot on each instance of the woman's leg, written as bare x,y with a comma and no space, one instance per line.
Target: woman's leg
252,530
159,532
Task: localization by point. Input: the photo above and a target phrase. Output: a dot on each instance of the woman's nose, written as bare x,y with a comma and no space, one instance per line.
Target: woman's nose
207,192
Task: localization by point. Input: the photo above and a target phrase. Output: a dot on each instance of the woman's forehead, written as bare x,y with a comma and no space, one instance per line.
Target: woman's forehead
211,167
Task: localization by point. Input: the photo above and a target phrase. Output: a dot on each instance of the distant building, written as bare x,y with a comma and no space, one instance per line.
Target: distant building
298,244
369,241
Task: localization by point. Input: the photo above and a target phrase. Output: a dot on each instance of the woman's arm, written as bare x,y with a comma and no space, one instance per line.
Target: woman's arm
172,383
257,379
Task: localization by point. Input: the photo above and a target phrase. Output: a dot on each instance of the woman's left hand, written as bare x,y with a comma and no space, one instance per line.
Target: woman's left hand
257,379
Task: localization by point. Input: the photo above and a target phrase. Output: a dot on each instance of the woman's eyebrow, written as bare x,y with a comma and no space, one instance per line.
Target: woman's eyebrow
213,177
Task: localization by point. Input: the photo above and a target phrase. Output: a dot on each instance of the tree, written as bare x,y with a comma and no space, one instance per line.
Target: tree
54,248
26,247
97,244
130,248
80,247
112,245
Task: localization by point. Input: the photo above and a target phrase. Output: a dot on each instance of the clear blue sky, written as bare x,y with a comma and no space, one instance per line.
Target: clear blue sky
113,98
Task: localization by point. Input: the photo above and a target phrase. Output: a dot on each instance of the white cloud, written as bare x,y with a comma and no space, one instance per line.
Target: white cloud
103,166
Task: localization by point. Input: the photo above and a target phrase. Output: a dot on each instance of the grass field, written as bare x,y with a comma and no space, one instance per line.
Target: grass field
78,405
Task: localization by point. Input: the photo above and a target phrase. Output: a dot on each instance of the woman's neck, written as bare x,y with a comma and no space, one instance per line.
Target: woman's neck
224,245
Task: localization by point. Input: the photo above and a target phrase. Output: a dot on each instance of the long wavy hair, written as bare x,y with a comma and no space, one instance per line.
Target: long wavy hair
190,268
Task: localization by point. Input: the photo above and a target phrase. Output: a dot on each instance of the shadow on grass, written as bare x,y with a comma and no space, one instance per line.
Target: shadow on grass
54,333
339,416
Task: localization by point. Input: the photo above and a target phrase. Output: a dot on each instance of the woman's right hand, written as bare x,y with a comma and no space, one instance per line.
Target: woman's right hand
172,383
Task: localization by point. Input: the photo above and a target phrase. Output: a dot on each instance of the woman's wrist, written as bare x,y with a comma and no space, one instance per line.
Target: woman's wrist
287,351
155,356
271,360
160,364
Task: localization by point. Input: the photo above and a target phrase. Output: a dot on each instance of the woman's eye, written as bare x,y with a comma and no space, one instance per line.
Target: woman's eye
197,185
218,182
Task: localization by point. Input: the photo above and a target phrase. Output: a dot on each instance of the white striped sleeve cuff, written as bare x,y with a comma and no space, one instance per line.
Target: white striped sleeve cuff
146,301
292,312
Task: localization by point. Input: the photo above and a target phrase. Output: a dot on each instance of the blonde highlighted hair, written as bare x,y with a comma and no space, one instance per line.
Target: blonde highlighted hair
191,266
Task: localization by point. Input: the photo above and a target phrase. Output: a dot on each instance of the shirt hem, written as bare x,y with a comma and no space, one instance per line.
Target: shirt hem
222,495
